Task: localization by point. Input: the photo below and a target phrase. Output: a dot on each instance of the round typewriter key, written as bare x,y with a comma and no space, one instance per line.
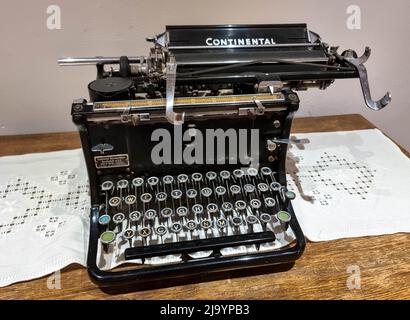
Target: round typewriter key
144,232
227,207
235,189
251,219
265,217
176,227
196,176
176,194
263,187
161,196
168,179
212,208
135,216
211,175
104,219
160,230
225,174
122,184
275,186
270,202
152,181
206,224
107,185
191,225
114,201
249,188
130,199
266,171
206,192
182,178
236,221
128,234
197,209
238,173
137,182
107,237
146,197
252,172
283,216
222,223
220,191
240,205
182,211
191,193
118,218
150,214
255,204
290,195
166,212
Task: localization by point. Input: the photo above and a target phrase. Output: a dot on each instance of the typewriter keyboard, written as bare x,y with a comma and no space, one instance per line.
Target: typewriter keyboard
168,219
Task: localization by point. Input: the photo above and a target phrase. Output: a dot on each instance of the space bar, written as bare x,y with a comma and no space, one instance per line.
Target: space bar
198,245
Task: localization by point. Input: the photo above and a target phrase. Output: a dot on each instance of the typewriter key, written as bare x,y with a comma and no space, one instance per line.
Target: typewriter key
176,194
168,179
191,193
176,227
135,216
107,185
153,181
275,186
289,195
114,201
252,172
197,209
238,173
144,232
150,214
255,204
222,223
212,208
161,196
270,202
227,207
235,189
182,211
128,234
240,205
249,188
130,199
118,218
166,212
104,219
146,197
206,224
122,184
211,175
251,219
206,192
182,178
266,171
106,238
160,230
137,182
225,174
263,187
191,225
196,177
284,217
265,218
236,221
220,191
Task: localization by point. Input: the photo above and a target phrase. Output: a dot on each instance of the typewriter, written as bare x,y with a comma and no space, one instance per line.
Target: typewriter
186,148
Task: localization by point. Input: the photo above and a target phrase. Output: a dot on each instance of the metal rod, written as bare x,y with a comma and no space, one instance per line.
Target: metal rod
95,60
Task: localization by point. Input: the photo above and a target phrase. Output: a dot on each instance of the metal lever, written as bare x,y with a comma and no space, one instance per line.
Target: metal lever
290,141
173,117
361,69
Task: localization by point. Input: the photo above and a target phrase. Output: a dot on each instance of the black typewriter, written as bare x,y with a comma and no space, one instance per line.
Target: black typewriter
186,148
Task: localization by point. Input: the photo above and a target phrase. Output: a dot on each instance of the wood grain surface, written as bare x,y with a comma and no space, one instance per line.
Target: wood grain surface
321,272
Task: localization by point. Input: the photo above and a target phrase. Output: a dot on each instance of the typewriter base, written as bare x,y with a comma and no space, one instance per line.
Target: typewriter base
193,267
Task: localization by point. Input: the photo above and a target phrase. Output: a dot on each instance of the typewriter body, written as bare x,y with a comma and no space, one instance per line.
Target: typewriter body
186,148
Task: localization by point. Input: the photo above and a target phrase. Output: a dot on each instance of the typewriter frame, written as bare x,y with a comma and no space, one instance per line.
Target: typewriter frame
83,115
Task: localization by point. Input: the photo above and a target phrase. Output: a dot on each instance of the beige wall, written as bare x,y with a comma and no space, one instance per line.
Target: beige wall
35,94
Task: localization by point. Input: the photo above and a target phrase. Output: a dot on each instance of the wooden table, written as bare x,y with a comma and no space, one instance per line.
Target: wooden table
321,273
